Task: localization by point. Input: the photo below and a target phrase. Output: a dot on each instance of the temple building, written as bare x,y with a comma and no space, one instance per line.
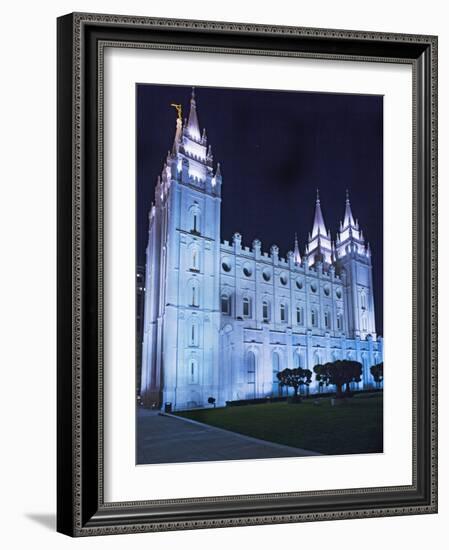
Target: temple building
220,318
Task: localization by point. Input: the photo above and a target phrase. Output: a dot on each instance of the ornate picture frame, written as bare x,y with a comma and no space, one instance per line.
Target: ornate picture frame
81,508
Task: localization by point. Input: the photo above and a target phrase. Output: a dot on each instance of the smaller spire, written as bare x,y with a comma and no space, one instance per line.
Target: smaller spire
334,253
296,253
349,218
218,171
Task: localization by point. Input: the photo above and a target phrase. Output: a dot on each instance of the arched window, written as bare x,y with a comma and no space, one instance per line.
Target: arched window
317,360
283,313
225,304
364,325
276,367
193,371
251,374
246,307
265,310
363,300
195,259
194,294
193,333
313,317
339,321
335,356
299,315
298,361
195,219
327,319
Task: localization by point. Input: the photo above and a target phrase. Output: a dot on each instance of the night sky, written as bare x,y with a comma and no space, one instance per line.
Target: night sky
275,149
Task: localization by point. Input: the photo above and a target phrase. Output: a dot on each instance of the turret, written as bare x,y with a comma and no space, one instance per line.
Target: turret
353,260
182,285
296,253
350,238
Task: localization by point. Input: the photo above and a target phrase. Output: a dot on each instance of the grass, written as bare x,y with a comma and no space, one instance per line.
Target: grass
354,426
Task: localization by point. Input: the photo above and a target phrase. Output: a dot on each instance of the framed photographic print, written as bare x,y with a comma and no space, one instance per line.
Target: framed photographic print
246,235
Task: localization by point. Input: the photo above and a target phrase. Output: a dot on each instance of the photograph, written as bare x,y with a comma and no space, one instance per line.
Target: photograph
259,273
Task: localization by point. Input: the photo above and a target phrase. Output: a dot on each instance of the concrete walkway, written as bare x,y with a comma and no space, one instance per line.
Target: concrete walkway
168,439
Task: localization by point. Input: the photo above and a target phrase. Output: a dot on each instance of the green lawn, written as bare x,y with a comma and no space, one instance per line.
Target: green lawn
355,426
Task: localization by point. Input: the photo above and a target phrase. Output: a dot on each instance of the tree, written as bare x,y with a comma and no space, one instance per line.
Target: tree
212,401
295,378
377,372
339,373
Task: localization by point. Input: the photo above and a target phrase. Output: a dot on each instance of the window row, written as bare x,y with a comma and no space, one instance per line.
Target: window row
226,309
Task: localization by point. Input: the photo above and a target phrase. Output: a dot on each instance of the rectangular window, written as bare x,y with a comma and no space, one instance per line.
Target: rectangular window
246,308
299,316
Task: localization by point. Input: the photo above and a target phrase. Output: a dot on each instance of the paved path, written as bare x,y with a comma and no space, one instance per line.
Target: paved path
167,438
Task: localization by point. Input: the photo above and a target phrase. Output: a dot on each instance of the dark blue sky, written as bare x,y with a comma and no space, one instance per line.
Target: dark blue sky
275,149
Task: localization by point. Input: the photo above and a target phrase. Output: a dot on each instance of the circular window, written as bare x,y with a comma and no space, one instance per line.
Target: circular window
299,284
266,275
226,265
338,293
284,278
327,290
313,287
247,271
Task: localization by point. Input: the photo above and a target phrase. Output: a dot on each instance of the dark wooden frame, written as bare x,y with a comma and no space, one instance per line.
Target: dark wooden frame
81,508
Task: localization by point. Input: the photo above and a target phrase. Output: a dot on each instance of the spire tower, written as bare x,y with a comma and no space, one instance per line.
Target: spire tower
353,260
350,237
319,246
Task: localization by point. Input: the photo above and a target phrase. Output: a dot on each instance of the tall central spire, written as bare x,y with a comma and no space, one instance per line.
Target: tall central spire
318,223
193,127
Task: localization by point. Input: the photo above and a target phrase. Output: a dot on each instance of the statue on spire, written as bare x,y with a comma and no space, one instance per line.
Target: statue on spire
178,108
